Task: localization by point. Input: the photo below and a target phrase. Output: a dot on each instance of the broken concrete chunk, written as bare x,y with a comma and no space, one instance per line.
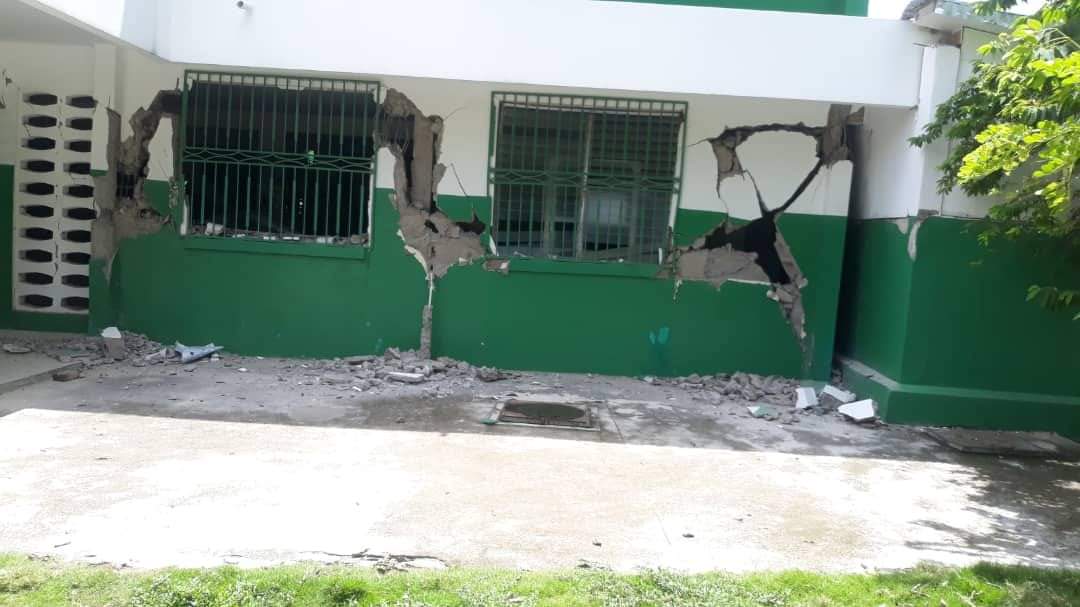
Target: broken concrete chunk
193,353
805,398
490,374
763,412
861,411
16,349
406,378
114,343
839,394
359,360
66,375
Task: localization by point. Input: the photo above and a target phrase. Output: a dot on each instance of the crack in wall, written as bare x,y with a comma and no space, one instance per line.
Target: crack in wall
415,139
437,241
754,252
757,252
913,232
122,217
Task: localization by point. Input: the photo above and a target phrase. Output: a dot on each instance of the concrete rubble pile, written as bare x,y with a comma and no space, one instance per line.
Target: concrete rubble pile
735,386
394,370
772,397
89,351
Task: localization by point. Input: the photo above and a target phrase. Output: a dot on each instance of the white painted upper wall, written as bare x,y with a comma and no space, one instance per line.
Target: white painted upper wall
61,70
134,21
956,203
576,43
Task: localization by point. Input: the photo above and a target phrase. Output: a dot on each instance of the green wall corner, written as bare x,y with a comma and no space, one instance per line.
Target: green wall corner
875,295
970,325
948,338
965,407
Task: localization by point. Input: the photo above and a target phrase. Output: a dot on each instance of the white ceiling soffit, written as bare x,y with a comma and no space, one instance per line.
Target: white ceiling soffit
24,22
131,21
577,43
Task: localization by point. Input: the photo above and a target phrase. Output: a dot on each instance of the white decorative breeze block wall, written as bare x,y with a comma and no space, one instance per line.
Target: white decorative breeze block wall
53,202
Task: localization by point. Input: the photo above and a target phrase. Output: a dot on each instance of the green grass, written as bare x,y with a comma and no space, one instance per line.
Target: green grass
33,583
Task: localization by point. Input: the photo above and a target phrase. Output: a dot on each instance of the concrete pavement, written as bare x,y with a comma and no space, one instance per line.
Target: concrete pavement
157,466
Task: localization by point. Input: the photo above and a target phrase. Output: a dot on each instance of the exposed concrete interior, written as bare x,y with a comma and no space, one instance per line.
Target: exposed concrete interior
757,251
128,215
414,139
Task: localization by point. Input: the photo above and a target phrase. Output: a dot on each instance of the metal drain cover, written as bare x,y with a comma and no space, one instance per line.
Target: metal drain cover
542,413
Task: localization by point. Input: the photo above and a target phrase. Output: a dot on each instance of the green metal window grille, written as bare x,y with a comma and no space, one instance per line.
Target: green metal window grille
588,178
278,157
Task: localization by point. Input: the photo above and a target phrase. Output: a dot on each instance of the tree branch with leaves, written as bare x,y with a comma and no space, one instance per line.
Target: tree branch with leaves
1015,132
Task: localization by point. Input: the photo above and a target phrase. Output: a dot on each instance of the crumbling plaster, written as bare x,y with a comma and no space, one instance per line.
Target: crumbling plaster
757,251
799,169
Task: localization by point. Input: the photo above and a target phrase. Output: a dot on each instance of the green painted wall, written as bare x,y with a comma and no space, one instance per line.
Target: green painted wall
855,8
9,318
543,315
995,339
952,333
874,299
272,304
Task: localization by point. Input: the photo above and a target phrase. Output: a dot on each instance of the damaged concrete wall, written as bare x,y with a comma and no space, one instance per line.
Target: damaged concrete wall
125,212
415,139
757,251
415,285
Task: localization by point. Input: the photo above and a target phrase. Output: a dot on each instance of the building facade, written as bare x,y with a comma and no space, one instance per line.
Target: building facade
564,186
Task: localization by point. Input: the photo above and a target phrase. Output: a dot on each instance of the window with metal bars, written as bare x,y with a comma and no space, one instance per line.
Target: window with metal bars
278,157
588,178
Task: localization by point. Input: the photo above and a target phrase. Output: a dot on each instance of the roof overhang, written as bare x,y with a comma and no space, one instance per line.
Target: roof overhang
570,43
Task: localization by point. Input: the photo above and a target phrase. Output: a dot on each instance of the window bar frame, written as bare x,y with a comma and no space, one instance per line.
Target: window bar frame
644,182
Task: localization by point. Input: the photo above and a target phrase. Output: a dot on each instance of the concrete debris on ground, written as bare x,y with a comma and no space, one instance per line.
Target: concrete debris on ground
89,351
859,411
67,374
490,374
735,386
406,378
190,354
770,397
113,341
805,398
841,395
764,412
394,370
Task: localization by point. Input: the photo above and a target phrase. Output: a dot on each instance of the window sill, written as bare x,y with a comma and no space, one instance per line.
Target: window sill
275,247
583,268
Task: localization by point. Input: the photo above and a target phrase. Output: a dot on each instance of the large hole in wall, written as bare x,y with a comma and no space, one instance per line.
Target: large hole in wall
757,251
